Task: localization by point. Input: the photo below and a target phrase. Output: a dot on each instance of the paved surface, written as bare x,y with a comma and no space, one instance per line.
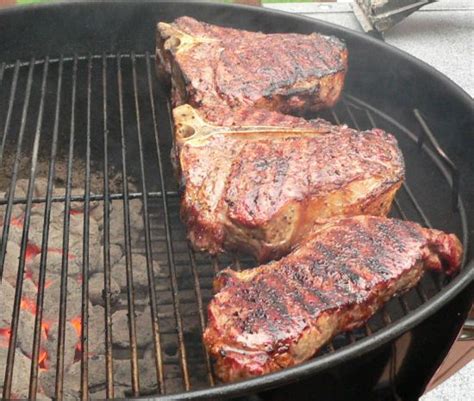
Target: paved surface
459,387
441,34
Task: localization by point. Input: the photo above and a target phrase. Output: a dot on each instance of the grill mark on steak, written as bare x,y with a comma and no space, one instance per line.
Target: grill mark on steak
283,68
242,68
334,264
271,313
285,171
305,281
293,306
300,296
356,232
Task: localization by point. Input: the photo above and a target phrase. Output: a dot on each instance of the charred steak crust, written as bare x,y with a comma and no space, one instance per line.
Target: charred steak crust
265,177
210,65
280,314
261,189
252,178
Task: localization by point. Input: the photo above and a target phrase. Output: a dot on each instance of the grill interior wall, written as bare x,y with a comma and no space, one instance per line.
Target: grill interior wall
136,171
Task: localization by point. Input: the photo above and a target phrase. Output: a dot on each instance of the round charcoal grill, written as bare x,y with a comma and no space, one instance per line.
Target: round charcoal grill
81,109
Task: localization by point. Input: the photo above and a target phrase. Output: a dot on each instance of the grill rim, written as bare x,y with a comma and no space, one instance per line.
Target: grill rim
391,331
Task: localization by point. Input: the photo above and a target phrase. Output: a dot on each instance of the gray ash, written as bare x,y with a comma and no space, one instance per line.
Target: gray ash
52,304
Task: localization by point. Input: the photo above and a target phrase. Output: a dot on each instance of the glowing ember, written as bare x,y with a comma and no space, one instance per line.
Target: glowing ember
77,323
29,305
76,212
5,337
31,251
29,275
47,283
43,356
48,326
45,329
17,222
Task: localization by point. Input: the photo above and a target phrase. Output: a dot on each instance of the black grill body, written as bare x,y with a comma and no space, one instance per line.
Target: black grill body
111,114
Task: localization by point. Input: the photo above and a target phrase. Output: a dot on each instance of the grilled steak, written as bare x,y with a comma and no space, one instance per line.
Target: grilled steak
252,178
280,314
210,65
260,189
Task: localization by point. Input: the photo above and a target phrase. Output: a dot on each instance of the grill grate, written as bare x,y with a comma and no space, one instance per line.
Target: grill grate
109,116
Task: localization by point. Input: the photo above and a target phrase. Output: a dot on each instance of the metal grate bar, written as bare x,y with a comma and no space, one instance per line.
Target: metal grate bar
44,245
215,264
336,118
371,118
438,281
236,263
9,113
420,139
8,212
26,225
455,177
92,197
202,321
415,203
419,288
85,249
350,336
386,316
34,162
351,115
404,304
440,164
400,210
407,190
421,293
368,330
83,57
107,275
149,256
169,244
59,387
2,70
128,246
33,388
